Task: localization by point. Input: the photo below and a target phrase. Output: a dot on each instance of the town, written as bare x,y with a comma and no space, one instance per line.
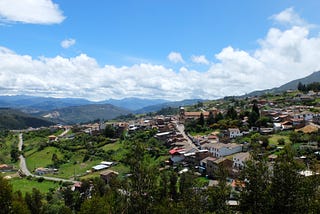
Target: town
211,141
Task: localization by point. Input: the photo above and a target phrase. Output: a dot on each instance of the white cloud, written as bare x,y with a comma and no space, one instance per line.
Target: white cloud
175,57
282,56
67,43
30,11
288,16
200,59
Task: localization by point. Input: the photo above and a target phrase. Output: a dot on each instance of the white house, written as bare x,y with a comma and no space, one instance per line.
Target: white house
239,159
222,149
306,115
234,132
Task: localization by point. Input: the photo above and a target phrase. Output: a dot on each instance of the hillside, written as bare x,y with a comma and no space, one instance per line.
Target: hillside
292,85
174,104
15,119
134,103
84,113
32,104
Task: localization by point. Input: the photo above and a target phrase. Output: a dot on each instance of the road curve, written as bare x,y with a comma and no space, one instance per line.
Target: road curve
25,170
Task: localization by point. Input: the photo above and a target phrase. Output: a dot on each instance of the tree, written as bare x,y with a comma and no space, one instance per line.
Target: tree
14,154
34,201
5,196
286,183
218,195
232,113
201,120
255,195
19,206
211,119
110,131
143,180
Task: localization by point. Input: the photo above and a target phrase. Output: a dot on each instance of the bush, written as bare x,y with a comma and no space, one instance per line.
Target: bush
41,179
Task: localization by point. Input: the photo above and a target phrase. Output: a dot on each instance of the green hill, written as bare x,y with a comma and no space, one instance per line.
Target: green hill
84,113
15,119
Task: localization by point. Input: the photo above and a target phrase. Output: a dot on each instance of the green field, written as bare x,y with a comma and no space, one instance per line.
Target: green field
25,185
273,140
41,158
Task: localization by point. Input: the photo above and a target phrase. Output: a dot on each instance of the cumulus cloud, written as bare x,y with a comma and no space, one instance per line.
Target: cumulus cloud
282,55
175,57
31,11
200,59
67,43
288,16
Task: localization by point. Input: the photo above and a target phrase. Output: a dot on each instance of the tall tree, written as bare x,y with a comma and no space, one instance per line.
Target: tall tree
5,196
201,120
211,119
232,113
286,182
255,192
34,201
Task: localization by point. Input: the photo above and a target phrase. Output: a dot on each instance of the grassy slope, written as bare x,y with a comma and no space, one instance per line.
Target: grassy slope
25,185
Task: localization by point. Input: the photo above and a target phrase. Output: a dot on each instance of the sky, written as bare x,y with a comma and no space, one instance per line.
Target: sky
155,49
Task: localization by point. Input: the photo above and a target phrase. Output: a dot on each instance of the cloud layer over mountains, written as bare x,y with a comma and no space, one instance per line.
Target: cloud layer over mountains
288,51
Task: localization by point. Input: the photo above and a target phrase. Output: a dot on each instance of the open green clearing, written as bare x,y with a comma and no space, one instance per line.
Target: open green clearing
42,158
273,140
25,185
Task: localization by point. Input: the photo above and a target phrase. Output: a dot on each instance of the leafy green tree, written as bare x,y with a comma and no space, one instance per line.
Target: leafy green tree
211,119
110,131
34,201
286,183
255,195
14,154
201,121
5,196
97,204
19,206
218,195
143,179
232,113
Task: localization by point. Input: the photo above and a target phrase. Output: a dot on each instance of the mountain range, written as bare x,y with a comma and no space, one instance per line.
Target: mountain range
292,85
45,110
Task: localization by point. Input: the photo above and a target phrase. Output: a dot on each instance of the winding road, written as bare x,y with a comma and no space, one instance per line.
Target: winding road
25,170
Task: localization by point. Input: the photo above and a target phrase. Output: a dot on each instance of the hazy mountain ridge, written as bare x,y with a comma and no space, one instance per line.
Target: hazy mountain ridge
292,85
133,103
84,113
173,104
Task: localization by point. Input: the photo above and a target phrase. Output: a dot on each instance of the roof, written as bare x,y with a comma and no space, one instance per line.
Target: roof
100,167
173,151
108,163
196,114
242,156
205,160
108,172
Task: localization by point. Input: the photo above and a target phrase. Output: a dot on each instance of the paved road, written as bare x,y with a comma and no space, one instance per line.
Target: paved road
64,133
180,128
25,170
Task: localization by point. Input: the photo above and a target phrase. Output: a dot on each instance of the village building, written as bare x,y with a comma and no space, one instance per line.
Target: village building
234,132
239,160
108,175
223,149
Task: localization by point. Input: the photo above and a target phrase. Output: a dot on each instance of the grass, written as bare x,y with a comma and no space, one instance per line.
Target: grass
273,140
42,158
112,146
25,185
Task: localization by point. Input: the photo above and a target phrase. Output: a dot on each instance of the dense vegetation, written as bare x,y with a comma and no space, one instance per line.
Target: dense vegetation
14,119
146,189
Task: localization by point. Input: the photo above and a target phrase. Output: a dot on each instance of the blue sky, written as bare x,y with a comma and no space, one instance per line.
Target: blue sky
170,49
